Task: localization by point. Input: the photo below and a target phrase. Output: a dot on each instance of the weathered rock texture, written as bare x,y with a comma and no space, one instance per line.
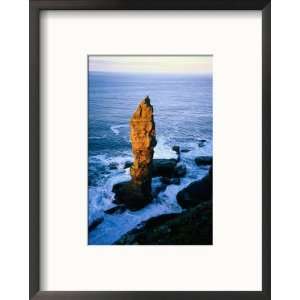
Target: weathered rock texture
203,160
163,167
196,192
191,227
143,141
135,194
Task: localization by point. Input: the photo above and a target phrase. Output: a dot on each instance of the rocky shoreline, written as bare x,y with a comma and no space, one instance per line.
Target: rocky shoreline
193,226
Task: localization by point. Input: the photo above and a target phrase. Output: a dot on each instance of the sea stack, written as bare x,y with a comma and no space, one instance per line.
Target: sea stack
143,141
137,193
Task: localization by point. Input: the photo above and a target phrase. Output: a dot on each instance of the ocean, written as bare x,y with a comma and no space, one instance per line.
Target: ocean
183,116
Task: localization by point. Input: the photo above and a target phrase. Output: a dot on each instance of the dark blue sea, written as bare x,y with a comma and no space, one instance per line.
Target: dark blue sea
183,116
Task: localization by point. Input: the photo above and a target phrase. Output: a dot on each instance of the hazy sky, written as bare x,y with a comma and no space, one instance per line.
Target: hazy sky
151,64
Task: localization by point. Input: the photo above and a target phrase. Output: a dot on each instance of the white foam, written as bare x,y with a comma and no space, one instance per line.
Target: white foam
163,150
106,160
114,226
97,137
115,128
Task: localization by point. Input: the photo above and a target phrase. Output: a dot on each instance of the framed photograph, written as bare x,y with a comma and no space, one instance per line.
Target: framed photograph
150,151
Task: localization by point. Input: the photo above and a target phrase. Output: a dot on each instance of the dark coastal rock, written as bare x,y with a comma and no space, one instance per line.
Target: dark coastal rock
128,164
165,180
192,227
116,210
133,196
168,181
94,224
163,167
176,149
180,170
113,166
185,150
201,143
203,160
196,192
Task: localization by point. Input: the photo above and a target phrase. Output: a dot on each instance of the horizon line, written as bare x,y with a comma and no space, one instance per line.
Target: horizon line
149,73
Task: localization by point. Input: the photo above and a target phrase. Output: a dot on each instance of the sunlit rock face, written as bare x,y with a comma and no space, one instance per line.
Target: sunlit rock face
143,141
137,193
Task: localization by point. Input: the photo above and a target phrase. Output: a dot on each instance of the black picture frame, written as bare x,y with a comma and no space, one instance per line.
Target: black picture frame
35,7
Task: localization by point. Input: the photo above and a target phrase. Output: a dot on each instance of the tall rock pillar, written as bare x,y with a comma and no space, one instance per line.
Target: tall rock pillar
143,141
137,193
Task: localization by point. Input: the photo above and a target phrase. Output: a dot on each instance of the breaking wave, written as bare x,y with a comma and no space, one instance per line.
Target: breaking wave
115,128
101,196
